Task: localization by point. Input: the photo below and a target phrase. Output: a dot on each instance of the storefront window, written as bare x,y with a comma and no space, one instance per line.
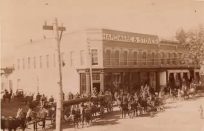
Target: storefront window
83,83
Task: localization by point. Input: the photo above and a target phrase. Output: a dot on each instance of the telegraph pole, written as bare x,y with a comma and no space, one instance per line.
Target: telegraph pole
59,30
90,68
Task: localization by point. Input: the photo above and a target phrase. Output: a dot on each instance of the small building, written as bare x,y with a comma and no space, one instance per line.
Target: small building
117,60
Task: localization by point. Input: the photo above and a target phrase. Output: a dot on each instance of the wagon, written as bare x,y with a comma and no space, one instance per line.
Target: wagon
66,104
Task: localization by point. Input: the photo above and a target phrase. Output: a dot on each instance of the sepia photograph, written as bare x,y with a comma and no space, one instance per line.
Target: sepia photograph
102,65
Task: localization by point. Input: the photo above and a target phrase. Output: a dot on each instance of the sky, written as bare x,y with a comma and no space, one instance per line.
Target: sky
22,20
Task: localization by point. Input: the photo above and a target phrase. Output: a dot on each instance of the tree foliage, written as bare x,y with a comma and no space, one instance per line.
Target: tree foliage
193,40
181,36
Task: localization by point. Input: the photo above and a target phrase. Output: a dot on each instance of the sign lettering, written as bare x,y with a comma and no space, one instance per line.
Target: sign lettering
131,38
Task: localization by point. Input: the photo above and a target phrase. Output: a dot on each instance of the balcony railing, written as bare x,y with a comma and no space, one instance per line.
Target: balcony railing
154,63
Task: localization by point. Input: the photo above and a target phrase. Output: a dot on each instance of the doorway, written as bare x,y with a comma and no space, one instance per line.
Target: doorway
97,86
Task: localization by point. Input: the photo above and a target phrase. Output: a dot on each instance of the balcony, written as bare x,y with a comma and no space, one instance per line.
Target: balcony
154,63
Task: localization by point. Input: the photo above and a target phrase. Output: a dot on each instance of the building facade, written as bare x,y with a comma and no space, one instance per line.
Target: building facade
116,60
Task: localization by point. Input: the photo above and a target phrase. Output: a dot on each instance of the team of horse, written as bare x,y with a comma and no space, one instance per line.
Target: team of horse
139,103
84,113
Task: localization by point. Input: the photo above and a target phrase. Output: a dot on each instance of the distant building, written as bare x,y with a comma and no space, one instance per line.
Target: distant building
119,60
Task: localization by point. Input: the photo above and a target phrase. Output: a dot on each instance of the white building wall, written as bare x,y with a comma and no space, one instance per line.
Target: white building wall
45,79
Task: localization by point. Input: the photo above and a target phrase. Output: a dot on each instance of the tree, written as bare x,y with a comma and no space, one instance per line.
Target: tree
193,40
181,36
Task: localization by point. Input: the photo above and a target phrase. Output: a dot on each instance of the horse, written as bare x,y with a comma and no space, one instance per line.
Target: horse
86,116
142,100
75,112
13,123
42,115
108,104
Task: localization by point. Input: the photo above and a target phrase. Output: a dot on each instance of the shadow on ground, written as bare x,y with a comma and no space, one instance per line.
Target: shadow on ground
111,118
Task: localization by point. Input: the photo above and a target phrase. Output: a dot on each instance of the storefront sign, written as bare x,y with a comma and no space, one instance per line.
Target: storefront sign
133,38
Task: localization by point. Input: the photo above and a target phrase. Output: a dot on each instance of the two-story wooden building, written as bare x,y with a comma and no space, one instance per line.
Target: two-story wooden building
132,59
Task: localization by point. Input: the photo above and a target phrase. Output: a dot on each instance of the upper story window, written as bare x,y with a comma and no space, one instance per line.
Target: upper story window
144,58
94,56
34,62
40,61
23,63
153,58
168,58
135,58
125,57
18,64
157,58
117,56
180,58
108,57
71,58
162,58
54,60
82,56
175,58
47,61
28,62
149,58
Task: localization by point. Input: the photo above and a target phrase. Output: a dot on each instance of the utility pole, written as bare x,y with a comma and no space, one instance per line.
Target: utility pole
59,30
90,68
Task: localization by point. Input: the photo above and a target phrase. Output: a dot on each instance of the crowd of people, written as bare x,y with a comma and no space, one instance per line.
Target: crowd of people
144,100
183,88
